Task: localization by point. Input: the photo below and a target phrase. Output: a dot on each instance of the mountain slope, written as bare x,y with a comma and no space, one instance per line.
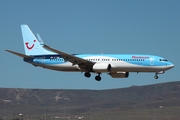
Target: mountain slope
127,97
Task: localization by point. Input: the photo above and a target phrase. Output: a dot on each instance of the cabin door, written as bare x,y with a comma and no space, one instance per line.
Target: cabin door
151,61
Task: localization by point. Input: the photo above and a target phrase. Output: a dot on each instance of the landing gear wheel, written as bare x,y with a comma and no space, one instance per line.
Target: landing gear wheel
98,78
87,74
156,77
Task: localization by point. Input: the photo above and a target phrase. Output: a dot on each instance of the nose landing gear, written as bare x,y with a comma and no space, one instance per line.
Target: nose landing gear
156,74
156,77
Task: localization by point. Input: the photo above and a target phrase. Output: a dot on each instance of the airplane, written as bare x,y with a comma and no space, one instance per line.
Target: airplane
116,65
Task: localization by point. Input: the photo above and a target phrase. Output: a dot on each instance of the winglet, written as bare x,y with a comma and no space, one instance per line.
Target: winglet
40,39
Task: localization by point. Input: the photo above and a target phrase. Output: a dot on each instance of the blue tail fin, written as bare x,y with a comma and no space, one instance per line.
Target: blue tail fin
32,45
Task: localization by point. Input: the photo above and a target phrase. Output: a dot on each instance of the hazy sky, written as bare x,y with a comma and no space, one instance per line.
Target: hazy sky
89,26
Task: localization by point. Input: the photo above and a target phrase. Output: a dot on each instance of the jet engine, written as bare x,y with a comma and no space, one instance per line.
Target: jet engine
101,67
119,75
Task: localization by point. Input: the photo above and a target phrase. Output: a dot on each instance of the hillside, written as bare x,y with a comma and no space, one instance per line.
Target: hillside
77,101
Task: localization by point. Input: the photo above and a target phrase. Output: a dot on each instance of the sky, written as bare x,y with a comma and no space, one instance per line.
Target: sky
89,26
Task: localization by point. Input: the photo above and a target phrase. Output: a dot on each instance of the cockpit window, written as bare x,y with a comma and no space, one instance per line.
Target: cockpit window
163,60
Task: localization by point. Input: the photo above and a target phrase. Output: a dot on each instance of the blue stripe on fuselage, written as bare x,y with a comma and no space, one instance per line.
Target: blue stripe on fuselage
136,59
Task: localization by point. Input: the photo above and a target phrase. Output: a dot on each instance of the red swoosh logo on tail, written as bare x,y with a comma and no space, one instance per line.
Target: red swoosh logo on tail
29,47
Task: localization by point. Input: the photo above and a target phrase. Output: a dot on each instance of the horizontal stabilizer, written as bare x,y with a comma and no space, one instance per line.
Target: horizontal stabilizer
19,54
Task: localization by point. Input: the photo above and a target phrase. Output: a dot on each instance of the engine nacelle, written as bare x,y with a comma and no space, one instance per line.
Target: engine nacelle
119,75
101,67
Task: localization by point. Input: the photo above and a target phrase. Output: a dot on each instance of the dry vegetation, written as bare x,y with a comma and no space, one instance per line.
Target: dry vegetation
152,102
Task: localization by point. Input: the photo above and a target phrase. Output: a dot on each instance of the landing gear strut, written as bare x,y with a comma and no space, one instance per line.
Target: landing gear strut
87,74
156,77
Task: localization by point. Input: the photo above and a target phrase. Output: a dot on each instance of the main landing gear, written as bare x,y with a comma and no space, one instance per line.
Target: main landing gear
88,74
98,77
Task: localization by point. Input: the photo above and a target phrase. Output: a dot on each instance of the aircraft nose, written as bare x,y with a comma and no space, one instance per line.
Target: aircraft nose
170,65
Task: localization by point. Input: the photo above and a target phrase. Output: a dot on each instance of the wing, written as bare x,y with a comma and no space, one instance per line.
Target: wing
84,65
